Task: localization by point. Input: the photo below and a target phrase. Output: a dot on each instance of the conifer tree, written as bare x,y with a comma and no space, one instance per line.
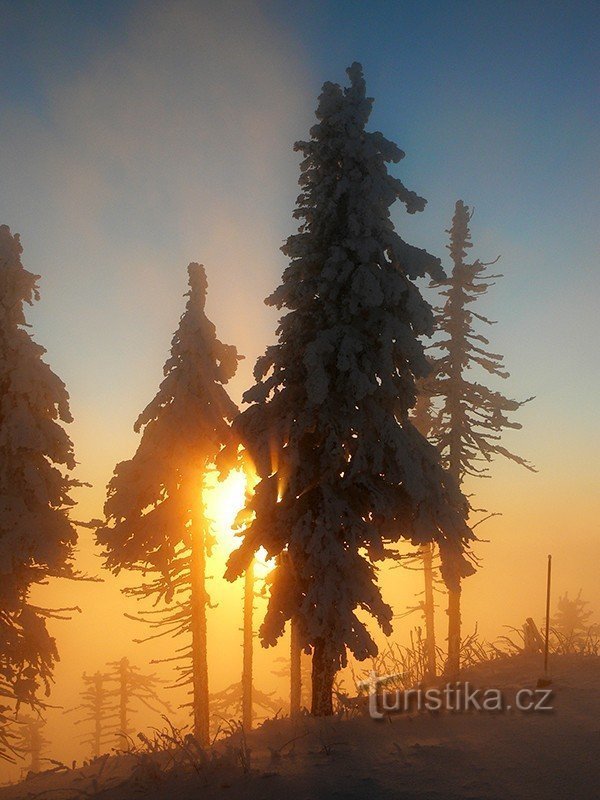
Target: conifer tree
97,705
36,535
466,418
341,469
572,620
155,515
133,686
31,741
8,736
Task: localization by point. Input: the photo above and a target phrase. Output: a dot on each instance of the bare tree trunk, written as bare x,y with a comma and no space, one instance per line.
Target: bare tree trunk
295,670
35,739
199,638
427,555
323,675
248,644
98,706
453,662
123,698
454,595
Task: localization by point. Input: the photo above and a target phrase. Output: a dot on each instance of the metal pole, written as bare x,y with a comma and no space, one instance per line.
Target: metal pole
547,616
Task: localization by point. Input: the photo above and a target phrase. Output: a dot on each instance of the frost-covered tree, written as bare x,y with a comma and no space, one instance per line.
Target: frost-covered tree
341,469
31,741
572,619
462,416
99,710
36,535
155,515
133,687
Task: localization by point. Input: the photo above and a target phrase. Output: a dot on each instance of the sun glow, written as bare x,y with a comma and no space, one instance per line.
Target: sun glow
224,500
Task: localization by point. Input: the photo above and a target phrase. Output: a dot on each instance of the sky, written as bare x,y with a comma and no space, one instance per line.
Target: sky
136,137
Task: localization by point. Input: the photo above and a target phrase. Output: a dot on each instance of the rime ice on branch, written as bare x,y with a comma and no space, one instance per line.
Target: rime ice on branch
155,516
36,535
342,470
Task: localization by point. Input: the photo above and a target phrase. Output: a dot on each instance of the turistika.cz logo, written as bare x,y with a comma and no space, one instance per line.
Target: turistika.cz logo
453,697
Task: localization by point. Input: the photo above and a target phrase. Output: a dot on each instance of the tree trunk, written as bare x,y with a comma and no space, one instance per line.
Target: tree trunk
430,654
35,740
323,675
453,662
199,648
123,698
295,670
248,644
98,706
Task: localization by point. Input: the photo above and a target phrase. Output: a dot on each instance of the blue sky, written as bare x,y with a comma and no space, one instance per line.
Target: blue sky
137,136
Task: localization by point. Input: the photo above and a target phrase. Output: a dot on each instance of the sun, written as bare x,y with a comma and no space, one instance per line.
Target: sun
223,501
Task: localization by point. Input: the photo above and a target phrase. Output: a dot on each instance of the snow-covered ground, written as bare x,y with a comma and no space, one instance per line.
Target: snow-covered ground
442,756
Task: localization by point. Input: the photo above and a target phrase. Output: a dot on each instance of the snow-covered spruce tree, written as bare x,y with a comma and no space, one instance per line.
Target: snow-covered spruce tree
36,535
341,469
466,418
155,516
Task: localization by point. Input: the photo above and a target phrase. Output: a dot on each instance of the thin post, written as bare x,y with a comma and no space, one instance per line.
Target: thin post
546,644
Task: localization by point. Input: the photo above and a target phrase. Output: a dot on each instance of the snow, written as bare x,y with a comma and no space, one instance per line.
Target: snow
422,756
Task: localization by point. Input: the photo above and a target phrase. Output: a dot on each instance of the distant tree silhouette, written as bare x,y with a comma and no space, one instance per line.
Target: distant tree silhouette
100,711
31,741
572,618
229,703
133,687
462,416
155,514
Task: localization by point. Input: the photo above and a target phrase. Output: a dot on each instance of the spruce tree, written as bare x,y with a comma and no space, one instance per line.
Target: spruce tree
133,686
155,515
100,712
463,417
36,535
341,469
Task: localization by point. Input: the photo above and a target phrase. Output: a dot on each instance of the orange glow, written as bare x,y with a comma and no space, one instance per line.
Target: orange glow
224,500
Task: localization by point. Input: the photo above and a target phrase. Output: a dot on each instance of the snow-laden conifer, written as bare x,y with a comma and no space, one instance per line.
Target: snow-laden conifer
341,468
36,535
459,413
155,516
